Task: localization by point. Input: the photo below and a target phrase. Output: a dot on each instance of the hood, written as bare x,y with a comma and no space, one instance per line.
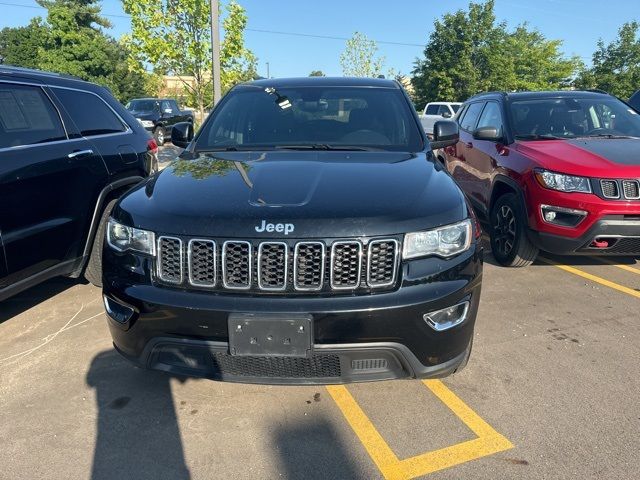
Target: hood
309,194
591,157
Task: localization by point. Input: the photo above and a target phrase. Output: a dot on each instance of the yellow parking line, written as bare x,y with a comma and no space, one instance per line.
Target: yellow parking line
488,441
594,278
619,265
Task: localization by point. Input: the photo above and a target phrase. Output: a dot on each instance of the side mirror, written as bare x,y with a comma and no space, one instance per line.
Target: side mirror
446,115
491,134
445,134
182,134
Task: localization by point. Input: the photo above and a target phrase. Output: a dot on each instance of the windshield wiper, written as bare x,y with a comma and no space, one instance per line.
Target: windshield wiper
535,136
606,135
324,146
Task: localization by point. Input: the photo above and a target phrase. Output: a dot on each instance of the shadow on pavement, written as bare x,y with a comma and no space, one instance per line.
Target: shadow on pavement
313,450
33,296
138,436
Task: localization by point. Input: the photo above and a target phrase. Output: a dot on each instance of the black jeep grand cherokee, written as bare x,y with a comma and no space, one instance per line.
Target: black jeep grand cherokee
306,235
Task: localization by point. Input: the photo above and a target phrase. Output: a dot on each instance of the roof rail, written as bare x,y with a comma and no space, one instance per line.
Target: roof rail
482,94
33,71
597,90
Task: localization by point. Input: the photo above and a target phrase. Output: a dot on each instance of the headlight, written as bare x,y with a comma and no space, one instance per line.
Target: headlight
563,183
121,237
443,242
146,123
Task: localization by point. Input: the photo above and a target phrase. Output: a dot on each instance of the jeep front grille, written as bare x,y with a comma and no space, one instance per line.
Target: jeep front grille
278,266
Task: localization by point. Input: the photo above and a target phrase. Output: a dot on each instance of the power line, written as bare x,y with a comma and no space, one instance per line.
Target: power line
256,30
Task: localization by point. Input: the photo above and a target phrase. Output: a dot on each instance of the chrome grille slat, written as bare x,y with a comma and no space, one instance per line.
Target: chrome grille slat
308,266
382,262
631,189
346,265
170,260
273,266
237,263
202,262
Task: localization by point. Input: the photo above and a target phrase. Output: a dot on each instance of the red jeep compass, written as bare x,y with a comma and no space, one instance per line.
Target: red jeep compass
553,171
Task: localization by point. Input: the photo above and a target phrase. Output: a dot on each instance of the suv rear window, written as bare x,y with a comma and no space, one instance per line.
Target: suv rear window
27,117
364,117
89,112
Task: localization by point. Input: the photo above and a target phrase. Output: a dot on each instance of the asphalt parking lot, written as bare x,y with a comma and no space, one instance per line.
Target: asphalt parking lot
551,391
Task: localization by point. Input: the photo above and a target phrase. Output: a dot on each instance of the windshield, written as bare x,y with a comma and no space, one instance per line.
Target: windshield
346,118
142,105
574,117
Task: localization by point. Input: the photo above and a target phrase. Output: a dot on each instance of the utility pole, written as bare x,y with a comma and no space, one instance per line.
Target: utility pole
268,76
215,51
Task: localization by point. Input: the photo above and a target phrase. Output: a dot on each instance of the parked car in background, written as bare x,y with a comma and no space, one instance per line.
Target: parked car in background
436,111
68,151
634,101
306,235
555,171
158,116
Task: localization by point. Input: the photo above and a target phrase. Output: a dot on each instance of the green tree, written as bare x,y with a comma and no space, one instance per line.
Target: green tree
175,37
359,57
317,73
20,46
616,66
469,52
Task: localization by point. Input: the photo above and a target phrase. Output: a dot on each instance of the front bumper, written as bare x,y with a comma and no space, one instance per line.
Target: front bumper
618,221
362,337
621,234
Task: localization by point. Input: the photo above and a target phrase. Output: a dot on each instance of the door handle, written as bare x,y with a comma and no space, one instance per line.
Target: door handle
80,154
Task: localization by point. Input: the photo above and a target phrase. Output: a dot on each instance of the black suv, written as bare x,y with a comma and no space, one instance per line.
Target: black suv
306,235
158,115
68,149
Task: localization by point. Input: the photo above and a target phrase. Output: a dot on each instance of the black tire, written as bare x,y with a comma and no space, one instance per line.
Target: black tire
464,362
159,136
510,244
93,271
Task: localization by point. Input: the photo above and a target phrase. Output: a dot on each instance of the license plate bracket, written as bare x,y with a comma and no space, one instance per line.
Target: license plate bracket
287,335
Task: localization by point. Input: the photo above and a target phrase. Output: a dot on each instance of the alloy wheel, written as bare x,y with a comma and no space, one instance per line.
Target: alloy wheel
504,229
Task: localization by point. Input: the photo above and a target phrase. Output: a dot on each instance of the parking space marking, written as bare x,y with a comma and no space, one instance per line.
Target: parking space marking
488,440
619,265
594,278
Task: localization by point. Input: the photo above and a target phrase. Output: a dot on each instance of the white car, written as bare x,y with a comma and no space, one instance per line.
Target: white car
437,111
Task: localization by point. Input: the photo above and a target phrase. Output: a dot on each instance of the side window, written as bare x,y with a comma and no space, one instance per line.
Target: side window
461,113
89,112
27,117
432,110
470,118
491,117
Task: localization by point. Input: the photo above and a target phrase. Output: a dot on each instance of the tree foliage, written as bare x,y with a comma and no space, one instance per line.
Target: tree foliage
616,66
175,37
71,40
360,59
470,52
21,45
317,73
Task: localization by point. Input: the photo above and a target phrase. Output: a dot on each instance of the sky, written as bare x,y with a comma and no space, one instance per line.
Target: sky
578,23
